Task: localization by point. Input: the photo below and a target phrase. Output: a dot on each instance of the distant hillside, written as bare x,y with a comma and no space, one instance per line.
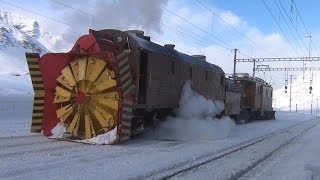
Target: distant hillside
18,35
300,96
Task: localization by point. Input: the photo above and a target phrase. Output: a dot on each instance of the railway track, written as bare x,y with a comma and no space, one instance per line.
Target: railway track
179,171
74,152
19,137
30,148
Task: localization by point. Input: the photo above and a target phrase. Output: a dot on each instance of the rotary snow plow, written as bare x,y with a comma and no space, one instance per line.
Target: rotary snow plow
87,92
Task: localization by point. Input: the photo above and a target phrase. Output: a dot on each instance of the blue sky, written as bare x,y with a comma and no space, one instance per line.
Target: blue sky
256,13
250,17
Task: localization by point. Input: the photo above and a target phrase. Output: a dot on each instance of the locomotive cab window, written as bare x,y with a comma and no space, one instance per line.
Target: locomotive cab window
260,90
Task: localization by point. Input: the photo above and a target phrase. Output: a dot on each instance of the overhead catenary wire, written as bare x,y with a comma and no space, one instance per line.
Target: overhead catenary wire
195,39
234,28
199,41
295,28
65,5
226,45
62,21
298,44
274,18
19,7
304,25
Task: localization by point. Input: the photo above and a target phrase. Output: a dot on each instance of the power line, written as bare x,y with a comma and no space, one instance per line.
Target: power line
305,27
293,25
288,26
78,10
195,35
36,13
220,40
197,40
233,27
300,18
277,23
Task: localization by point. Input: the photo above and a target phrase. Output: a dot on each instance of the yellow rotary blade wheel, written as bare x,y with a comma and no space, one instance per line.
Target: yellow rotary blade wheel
87,97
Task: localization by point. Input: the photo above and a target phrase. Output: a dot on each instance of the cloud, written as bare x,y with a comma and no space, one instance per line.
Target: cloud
271,44
117,14
231,18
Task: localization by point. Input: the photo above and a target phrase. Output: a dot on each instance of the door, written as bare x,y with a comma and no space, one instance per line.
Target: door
143,75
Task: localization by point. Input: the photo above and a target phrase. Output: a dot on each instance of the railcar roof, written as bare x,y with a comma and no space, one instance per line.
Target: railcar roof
153,47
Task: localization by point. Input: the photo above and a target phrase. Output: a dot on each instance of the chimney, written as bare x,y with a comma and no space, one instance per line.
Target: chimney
201,57
169,46
146,38
137,32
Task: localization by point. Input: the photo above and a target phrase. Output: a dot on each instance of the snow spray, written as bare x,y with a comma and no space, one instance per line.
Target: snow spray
195,119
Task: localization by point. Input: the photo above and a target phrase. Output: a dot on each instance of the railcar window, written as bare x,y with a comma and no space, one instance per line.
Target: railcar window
190,72
172,67
222,79
206,75
261,89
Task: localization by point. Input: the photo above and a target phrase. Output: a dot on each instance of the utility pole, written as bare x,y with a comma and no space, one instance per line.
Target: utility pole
304,63
317,107
309,36
311,102
235,62
254,68
290,91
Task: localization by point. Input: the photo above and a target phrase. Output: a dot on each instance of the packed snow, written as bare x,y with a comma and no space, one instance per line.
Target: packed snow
300,161
58,131
101,139
26,155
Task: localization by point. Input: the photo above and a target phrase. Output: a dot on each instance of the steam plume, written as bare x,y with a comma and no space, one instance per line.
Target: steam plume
195,119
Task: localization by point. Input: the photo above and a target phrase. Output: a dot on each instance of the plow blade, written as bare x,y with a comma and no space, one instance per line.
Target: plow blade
39,93
88,95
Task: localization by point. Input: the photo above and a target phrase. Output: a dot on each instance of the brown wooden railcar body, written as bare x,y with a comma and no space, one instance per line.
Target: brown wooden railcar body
256,98
159,73
233,98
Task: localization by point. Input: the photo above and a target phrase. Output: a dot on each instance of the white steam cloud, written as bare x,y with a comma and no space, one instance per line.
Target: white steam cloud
111,14
195,119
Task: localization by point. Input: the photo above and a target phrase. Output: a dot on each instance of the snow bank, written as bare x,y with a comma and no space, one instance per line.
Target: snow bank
106,138
101,139
195,119
58,130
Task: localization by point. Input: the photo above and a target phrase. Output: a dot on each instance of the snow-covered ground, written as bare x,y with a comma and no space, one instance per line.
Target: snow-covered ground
27,156
300,161
15,114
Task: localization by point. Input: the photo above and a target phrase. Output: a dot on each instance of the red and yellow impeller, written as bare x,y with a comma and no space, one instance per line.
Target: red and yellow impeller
87,97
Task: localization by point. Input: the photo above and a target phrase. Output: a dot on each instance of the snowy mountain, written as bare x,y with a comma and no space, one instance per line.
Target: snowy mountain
301,98
19,34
